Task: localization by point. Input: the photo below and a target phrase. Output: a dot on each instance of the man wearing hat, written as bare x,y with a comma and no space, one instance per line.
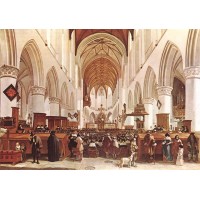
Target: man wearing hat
36,142
148,146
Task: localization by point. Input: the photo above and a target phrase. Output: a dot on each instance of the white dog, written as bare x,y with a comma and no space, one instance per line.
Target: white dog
126,161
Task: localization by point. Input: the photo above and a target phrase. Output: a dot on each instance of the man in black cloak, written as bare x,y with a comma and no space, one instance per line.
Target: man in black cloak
53,147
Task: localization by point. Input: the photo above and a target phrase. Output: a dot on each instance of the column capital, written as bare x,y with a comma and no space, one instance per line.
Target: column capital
147,100
9,71
54,100
192,72
37,90
164,90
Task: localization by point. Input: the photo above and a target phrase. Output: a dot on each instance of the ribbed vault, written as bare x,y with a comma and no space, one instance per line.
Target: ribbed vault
121,34
101,72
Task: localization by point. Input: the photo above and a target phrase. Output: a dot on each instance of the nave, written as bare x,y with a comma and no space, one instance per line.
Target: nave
100,80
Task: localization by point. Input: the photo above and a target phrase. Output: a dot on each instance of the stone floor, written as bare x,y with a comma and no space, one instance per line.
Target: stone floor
95,164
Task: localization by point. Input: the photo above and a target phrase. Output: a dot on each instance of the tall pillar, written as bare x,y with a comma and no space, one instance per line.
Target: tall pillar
38,99
164,106
8,75
80,105
54,106
148,119
119,95
192,104
165,99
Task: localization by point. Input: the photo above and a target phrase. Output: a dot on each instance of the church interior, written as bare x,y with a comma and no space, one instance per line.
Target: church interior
98,83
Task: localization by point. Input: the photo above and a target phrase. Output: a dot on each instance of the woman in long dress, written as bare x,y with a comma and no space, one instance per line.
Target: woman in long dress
179,160
166,144
175,147
79,148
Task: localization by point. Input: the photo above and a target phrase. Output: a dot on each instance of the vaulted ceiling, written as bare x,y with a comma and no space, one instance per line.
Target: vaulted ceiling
101,72
121,34
100,53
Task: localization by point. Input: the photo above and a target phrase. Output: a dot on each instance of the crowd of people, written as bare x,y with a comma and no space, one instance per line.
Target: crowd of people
81,140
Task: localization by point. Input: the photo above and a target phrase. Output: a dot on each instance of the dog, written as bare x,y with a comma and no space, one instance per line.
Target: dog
126,161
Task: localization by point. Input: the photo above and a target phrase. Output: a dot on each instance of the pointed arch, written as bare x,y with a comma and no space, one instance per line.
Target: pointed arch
137,93
34,54
171,63
130,100
150,84
193,48
8,52
64,94
92,117
52,83
72,103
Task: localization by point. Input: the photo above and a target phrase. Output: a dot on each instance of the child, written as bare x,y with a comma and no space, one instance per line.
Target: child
17,146
179,160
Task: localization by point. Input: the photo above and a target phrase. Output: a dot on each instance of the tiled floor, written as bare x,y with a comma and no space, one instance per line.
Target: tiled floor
96,164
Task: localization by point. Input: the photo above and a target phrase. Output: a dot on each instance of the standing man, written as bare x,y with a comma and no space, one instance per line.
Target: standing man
36,146
149,147
192,146
53,147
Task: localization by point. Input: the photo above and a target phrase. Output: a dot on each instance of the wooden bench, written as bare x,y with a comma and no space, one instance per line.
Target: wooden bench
10,156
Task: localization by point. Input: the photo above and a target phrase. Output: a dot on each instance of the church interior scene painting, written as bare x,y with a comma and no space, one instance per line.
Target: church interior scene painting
99,99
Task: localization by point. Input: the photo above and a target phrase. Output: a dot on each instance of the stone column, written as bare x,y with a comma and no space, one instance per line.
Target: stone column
148,119
165,101
8,75
192,93
80,105
54,106
38,99
165,98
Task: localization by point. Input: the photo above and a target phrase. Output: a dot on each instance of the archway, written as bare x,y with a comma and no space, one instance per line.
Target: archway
8,53
192,74
52,83
137,94
150,97
72,103
150,84
193,48
130,100
171,72
92,118
64,94
52,93
30,75
64,99
171,65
